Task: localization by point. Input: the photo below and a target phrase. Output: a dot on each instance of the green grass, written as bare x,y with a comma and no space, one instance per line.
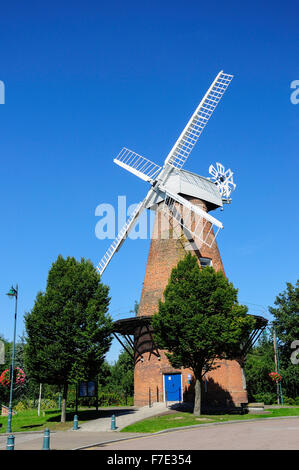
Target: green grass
28,420
179,419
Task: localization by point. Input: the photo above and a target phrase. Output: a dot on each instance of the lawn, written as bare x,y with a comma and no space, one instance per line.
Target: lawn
178,419
28,420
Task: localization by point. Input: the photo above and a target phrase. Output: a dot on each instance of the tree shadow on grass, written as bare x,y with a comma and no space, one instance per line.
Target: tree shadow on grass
32,426
88,415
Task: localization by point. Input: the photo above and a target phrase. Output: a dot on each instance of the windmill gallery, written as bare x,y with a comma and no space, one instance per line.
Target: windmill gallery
182,202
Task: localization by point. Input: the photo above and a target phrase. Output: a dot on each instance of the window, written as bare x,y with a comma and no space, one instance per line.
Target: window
205,262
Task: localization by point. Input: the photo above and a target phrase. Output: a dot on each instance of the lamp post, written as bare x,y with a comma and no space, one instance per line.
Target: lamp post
12,293
278,384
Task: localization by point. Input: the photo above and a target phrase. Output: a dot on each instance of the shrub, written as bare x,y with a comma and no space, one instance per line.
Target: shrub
20,406
47,404
289,401
114,398
267,398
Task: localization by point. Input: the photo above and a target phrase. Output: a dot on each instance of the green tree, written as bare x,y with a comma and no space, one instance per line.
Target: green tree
19,391
200,320
286,324
259,363
68,329
122,373
4,391
135,308
104,376
286,315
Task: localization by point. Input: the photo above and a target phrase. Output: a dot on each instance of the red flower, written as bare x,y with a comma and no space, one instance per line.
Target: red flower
19,377
275,377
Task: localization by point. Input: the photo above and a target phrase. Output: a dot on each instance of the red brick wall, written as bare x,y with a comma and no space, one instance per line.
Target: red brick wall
225,384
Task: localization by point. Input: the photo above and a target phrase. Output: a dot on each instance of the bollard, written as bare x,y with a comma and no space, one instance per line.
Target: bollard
75,425
10,445
113,423
46,441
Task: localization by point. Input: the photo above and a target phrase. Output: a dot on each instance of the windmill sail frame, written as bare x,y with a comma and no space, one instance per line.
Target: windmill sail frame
160,177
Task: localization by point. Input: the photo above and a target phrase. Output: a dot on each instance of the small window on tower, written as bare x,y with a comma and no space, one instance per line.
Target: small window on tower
204,262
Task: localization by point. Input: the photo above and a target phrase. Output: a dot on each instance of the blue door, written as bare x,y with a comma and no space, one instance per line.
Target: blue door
172,387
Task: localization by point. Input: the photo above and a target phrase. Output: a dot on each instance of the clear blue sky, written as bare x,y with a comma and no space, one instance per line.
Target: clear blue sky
84,79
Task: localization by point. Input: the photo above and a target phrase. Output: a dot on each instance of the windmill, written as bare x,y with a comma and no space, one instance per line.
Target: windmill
170,181
185,199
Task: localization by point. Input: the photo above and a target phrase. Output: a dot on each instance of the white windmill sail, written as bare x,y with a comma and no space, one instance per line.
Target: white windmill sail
198,223
122,235
138,165
199,119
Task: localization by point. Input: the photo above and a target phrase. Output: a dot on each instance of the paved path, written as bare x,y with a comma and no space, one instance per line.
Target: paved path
89,433
63,440
268,434
124,417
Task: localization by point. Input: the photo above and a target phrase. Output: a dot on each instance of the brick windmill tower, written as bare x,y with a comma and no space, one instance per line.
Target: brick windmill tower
183,202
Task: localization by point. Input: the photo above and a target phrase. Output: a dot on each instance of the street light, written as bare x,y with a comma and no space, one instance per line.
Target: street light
13,292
